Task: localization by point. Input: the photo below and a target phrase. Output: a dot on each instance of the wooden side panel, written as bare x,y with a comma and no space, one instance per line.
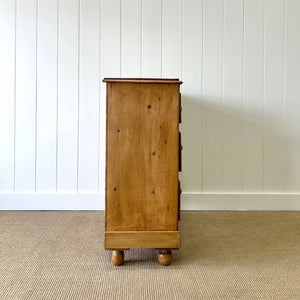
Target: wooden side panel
142,157
142,239
124,189
159,155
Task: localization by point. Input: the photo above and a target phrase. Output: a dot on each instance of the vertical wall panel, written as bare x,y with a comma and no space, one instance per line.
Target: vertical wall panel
212,120
7,94
109,67
89,97
292,92
171,38
110,38
191,94
253,96
238,59
273,96
232,95
46,96
130,38
68,62
25,96
151,38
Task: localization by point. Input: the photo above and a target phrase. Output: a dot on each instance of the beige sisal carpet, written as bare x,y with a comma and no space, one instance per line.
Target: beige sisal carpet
224,255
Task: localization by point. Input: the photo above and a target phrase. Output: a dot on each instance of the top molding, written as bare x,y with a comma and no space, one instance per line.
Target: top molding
143,80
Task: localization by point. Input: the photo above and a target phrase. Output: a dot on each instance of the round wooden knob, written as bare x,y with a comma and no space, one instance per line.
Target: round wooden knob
165,257
117,257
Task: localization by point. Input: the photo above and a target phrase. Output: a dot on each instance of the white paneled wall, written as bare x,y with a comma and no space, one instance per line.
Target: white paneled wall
240,64
46,96
25,96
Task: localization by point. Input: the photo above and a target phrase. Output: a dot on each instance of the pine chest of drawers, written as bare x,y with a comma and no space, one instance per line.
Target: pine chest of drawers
143,158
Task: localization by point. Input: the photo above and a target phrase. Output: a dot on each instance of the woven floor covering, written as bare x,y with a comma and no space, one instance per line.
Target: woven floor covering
224,255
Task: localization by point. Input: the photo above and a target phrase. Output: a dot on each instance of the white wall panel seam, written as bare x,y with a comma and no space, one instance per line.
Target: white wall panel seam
36,94
7,92
201,99
222,108
120,38
243,98
263,97
46,96
181,41
78,106
68,96
161,36
141,40
284,100
15,96
25,96
57,96
253,132
99,98
273,95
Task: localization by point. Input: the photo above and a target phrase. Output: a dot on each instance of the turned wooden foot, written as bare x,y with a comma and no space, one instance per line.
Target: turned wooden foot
165,257
117,257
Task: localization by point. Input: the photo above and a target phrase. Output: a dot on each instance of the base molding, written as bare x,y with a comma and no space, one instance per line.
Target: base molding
115,240
197,201
55,201
189,201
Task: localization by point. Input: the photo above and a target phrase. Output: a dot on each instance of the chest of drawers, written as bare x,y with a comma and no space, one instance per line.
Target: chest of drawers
143,158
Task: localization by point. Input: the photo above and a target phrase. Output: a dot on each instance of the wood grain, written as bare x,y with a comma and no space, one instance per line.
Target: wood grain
142,156
143,80
142,239
124,190
159,155
165,257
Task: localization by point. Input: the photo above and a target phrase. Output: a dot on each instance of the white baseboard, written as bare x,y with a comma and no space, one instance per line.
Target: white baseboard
16,201
189,201
197,201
